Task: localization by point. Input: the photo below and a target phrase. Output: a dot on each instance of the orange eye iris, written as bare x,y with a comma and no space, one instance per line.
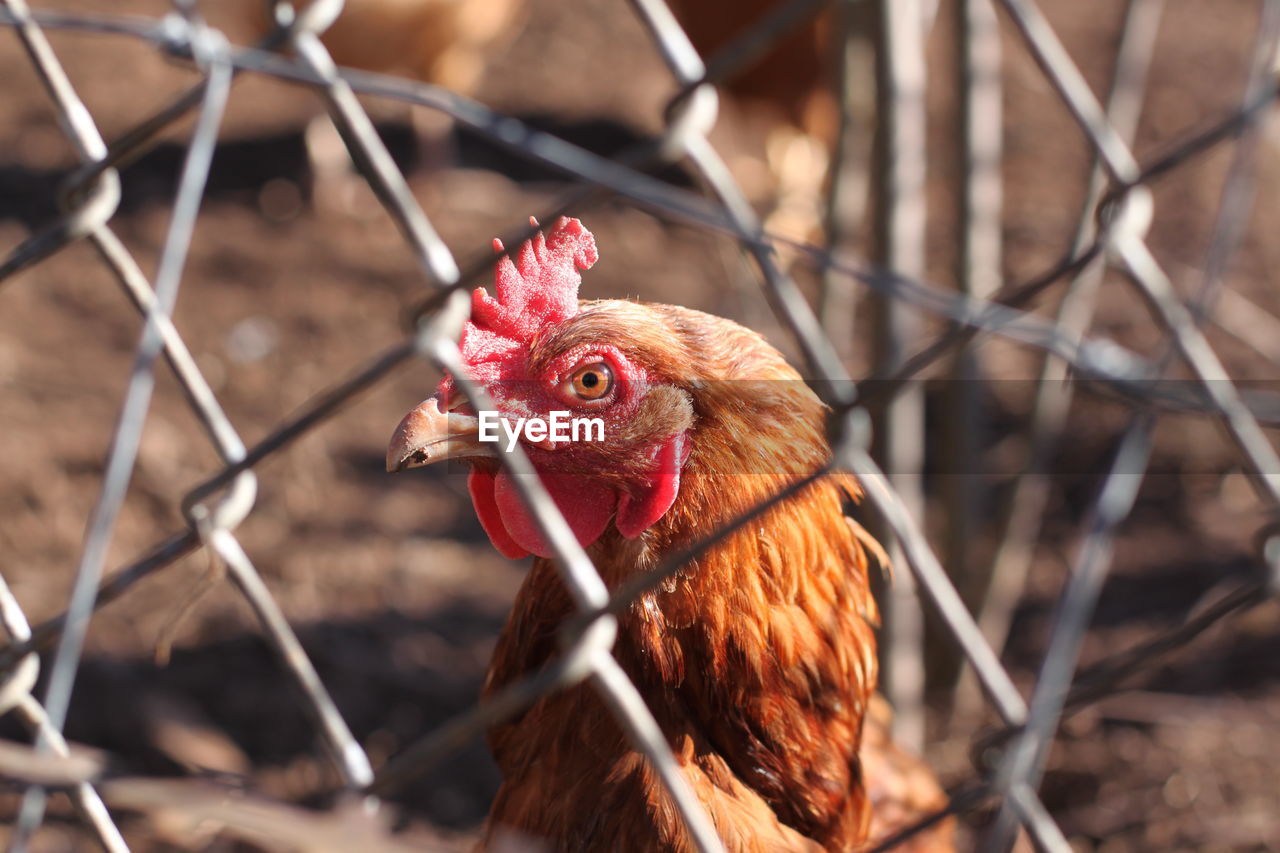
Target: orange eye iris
592,381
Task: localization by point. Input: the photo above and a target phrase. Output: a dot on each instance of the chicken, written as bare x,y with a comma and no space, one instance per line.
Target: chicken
437,41
443,42
902,789
759,659
792,79
792,85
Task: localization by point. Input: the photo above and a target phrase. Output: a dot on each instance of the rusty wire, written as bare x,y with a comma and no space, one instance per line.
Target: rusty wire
226,497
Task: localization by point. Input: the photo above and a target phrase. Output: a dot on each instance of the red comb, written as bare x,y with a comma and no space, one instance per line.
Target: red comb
537,288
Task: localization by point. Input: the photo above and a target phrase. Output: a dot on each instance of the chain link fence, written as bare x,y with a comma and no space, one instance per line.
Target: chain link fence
1111,235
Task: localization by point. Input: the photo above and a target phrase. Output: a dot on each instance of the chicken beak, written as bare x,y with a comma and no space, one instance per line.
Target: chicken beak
428,434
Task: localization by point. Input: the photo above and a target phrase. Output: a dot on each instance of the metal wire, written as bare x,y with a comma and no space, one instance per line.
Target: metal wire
216,507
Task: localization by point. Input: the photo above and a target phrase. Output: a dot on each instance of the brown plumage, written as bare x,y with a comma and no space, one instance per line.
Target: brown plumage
792,78
758,660
791,85
902,789
437,41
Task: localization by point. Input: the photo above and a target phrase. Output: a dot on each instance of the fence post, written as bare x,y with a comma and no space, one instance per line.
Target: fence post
978,271
899,175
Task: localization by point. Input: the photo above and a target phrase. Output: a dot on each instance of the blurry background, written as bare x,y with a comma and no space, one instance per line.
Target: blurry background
296,276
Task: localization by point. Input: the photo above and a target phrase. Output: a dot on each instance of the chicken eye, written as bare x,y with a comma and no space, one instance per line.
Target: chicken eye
591,381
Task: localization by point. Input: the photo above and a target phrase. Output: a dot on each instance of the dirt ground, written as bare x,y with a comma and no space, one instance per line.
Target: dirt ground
393,587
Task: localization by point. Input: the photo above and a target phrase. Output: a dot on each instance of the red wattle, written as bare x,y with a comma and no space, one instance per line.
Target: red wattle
481,484
639,511
586,505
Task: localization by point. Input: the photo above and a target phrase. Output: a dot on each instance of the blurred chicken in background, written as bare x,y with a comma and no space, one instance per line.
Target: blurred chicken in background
443,42
791,86
437,41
